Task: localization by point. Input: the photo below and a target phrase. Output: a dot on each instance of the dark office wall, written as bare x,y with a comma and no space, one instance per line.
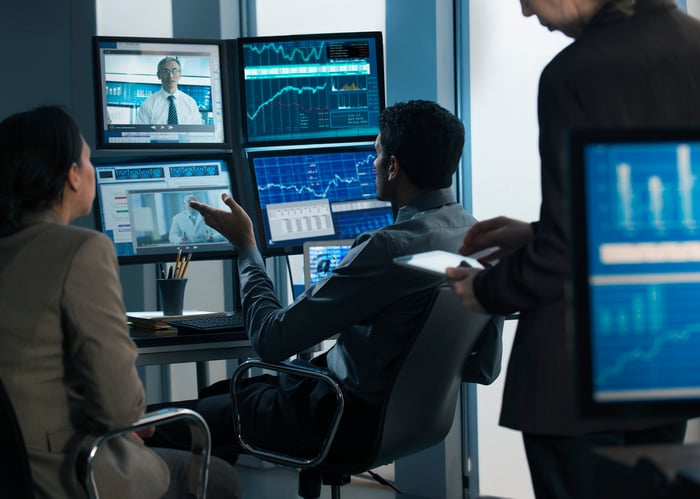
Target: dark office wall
198,19
410,50
45,49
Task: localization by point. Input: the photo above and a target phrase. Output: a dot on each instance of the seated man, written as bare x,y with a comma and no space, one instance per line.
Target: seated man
373,305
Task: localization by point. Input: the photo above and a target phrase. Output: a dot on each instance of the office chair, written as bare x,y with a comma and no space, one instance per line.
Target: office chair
15,470
417,410
200,448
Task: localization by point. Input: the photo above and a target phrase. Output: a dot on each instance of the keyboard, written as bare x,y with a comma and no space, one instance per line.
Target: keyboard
220,323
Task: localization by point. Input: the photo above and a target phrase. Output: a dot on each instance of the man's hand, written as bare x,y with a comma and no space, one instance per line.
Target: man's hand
235,225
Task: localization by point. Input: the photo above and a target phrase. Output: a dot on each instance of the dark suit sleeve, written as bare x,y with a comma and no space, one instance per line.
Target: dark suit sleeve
100,348
365,283
533,275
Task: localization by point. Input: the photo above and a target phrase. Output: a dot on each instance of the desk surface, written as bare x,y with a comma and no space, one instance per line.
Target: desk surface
176,348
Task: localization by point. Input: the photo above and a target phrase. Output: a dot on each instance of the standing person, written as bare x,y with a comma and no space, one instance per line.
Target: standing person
370,303
632,63
67,360
169,106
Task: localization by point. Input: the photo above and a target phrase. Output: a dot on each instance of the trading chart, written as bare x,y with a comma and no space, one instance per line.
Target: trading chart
317,194
311,89
643,204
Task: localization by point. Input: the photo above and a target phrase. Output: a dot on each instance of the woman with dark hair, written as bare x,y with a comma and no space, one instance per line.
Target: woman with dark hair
67,360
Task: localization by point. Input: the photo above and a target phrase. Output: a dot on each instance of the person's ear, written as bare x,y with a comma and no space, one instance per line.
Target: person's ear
73,177
393,168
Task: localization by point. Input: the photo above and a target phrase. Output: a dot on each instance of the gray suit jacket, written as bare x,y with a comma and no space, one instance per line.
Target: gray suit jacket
67,359
643,70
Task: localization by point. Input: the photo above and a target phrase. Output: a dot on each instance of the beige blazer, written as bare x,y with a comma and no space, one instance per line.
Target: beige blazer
67,359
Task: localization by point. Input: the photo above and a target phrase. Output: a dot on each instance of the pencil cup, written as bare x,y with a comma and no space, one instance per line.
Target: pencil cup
172,295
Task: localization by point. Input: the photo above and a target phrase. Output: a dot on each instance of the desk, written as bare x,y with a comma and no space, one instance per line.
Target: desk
174,349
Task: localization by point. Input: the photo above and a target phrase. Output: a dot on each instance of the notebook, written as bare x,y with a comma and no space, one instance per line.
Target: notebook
321,257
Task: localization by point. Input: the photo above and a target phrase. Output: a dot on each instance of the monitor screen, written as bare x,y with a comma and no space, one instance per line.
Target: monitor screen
309,194
143,207
135,78
311,88
636,270
321,257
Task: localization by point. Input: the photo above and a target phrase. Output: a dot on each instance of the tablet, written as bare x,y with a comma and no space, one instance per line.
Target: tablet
437,261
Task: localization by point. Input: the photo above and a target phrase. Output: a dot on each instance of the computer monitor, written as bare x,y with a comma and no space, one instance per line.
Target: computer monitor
314,194
141,206
321,257
311,88
127,75
635,229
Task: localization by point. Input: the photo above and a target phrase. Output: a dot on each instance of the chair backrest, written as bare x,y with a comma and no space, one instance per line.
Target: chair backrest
15,471
420,407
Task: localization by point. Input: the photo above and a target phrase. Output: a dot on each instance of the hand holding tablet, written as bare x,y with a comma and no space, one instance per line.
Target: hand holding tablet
437,261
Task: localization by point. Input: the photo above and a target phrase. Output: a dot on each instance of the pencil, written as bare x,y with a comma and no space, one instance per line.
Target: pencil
177,263
184,266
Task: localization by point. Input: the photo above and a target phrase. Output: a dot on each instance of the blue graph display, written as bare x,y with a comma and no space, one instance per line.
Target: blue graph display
322,261
646,337
350,224
311,88
642,214
641,193
332,176
317,194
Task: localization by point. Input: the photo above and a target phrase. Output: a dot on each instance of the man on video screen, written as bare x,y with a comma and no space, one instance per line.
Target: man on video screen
188,226
169,106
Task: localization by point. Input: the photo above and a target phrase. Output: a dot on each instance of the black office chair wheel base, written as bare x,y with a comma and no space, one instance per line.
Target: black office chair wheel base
309,484
335,481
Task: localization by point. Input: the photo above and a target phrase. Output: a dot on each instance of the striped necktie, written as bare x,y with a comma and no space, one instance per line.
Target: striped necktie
172,112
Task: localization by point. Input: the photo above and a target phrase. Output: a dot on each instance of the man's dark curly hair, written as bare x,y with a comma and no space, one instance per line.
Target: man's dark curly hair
426,138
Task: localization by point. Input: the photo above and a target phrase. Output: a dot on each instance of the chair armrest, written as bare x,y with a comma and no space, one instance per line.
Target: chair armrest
200,448
296,370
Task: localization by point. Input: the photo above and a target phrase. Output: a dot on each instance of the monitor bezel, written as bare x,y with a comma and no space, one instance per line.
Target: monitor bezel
218,254
577,289
259,218
240,63
101,98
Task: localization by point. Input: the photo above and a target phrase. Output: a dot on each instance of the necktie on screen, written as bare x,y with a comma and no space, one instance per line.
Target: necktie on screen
172,112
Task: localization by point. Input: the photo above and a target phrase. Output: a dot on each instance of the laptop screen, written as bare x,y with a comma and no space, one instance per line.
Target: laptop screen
321,257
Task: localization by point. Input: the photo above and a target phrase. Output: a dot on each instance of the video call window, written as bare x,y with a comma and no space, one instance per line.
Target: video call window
135,77
143,207
318,88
